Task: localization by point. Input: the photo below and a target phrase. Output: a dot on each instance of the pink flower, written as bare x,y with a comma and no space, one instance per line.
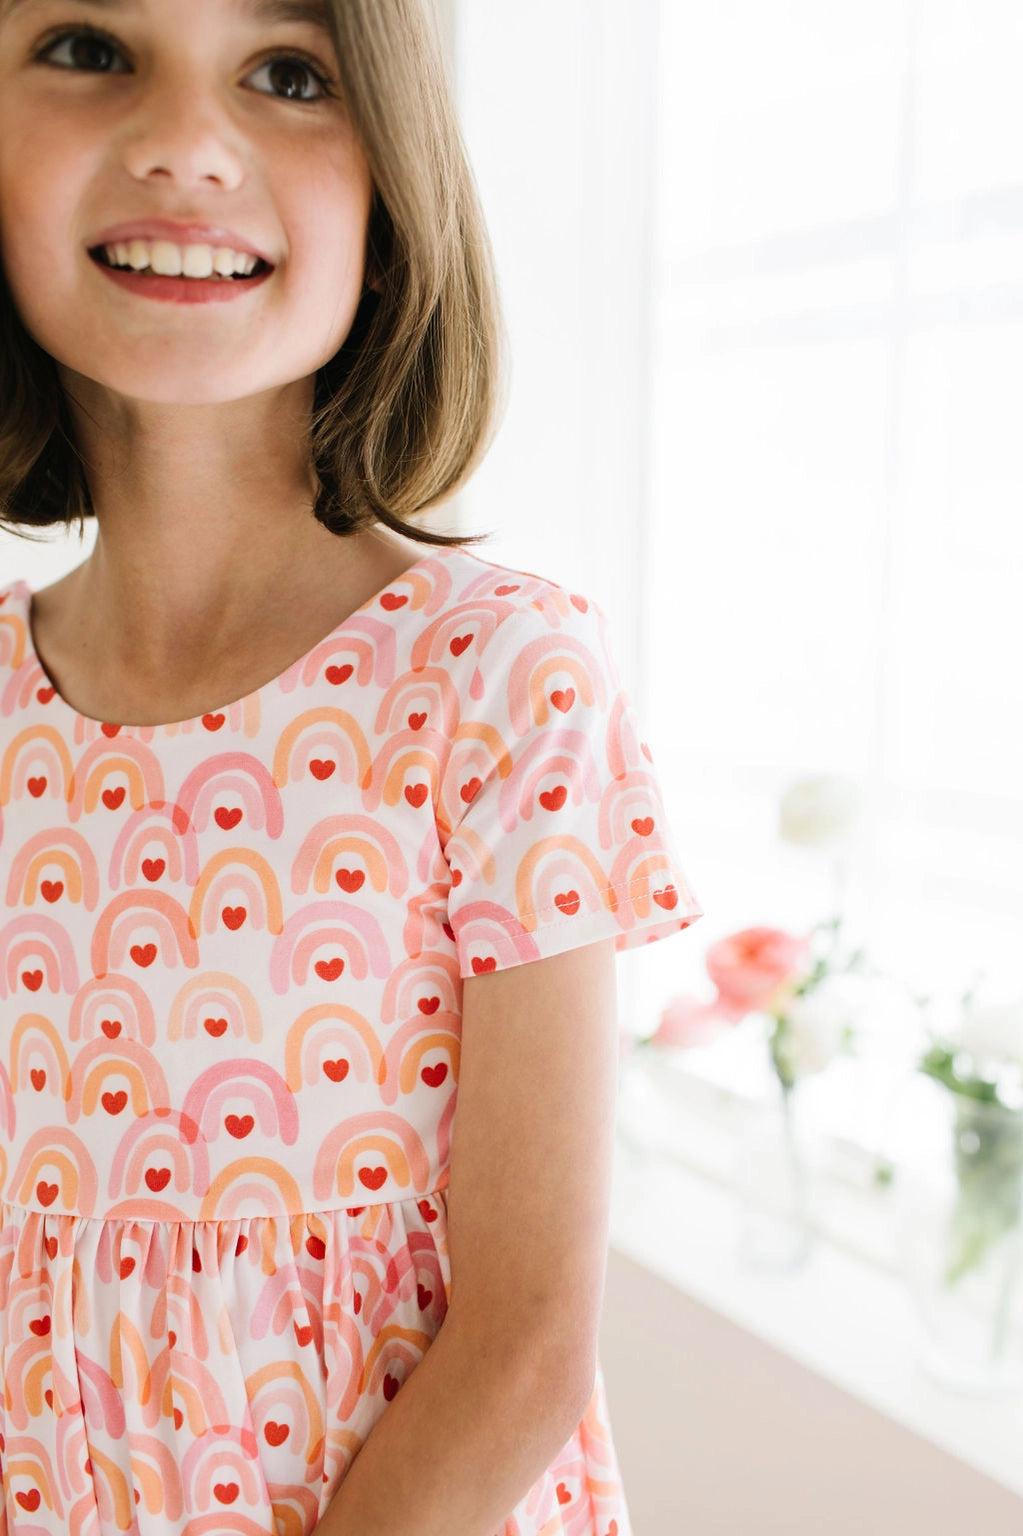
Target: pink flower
756,970
686,1021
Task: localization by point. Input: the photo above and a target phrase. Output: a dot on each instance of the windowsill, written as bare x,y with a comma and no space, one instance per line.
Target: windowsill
843,1314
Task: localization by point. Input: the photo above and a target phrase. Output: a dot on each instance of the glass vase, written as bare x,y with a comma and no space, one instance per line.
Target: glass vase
962,1248
772,1181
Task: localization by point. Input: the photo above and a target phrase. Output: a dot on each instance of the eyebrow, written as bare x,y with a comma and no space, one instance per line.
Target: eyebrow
313,12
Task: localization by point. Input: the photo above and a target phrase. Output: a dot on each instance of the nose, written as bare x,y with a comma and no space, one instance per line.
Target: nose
183,134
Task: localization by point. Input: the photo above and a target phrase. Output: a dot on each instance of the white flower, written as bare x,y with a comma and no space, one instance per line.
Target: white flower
817,1021
992,1028
819,811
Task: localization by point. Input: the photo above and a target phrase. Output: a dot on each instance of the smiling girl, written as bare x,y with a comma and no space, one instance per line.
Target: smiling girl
314,824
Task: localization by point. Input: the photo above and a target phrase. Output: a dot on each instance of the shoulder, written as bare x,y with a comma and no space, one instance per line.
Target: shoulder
504,613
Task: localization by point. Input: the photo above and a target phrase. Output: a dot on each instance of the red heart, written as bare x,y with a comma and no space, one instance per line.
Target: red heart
316,1246
44,695
36,787
321,767
48,1394
46,1193
479,966
153,868
471,790
428,1004
241,1245
40,1327
424,1296
329,970
52,889
111,1028
213,722
427,1211
109,729
113,1103
393,600
214,1027
340,674
567,902
113,797
667,898
276,1434
239,1125
643,825
127,1265
349,879
372,1177
448,929
233,917
172,1338
456,877
32,979
459,643
391,1385
51,1247
225,818
179,1418
553,799
304,1335
563,699
226,1492
38,1078
337,1070
358,1298
157,1179
417,721
415,794
564,1497
29,1501
143,954
503,591
434,1076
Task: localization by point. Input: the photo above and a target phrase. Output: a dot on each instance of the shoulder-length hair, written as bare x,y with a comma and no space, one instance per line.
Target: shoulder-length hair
408,406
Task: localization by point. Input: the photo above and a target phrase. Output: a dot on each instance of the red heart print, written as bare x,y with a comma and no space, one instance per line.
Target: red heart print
434,1076
44,695
113,797
157,1179
113,1103
227,819
554,799
428,1004
239,1125
415,794
51,1247
36,787
358,1298
214,1027
29,1501
643,826
471,790
456,877
276,1434
417,721
372,1177
213,722
48,1394
567,902
667,898
32,979
503,591
448,930
316,1247
321,767
38,1078
153,868
52,889
479,966
127,1265
241,1245
179,1418
424,1296
393,600
226,1492
329,970
563,699
303,1334
111,1028
234,917
109,729
337,1070
46,1193
40,1327
459,643
391,1385
340,674
564,1497
143,954
349,879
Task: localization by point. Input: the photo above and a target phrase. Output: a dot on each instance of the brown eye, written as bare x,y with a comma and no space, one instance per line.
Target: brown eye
88,50
287,71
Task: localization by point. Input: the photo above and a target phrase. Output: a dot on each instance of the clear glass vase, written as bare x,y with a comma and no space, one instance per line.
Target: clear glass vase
962,1248
772,1181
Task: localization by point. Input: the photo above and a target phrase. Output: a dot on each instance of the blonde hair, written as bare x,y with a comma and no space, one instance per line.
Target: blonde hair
408,406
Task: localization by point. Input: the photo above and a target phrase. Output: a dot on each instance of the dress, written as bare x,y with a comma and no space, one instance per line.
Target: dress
232,960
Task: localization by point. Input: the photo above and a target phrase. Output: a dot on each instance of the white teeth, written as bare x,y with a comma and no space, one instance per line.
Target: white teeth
170,260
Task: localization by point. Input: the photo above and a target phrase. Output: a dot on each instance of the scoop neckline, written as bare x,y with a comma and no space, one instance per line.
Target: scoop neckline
254,693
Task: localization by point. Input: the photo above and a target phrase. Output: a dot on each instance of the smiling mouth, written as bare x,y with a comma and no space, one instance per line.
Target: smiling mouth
99,255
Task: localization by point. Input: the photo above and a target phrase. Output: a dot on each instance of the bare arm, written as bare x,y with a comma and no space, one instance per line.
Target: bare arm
510,1374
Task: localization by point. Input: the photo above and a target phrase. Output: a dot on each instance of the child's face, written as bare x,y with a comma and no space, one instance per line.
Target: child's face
177,112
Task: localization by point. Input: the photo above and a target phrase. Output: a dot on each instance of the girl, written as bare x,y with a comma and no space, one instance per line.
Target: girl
313,822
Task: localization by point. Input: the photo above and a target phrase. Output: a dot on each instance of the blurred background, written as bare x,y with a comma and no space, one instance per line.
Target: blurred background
761,268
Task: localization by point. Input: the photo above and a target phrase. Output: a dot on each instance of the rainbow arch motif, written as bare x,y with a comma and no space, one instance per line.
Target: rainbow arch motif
350,1030
224,995
176,1139
39,747
433,689
101,1058
393,1343
283,1389
155,1473
76,1173
237,773
156,909
456,628
388,1135
406,1049
33,1033
434,972
361,835
101,760
163,822
223,873
257,1178
44,939
123,996
260,1084
527,700
341,924
345,738
77,864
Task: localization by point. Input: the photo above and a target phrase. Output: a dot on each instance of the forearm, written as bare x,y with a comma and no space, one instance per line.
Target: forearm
468,1434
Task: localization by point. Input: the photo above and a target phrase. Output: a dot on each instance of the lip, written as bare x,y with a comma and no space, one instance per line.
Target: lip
179,234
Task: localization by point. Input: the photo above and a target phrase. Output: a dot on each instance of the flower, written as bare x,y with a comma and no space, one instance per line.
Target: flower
820,810
992,1030
756,969
820,1023
686,1021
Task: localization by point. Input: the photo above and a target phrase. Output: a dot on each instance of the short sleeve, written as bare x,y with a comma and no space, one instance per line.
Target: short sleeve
551,813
